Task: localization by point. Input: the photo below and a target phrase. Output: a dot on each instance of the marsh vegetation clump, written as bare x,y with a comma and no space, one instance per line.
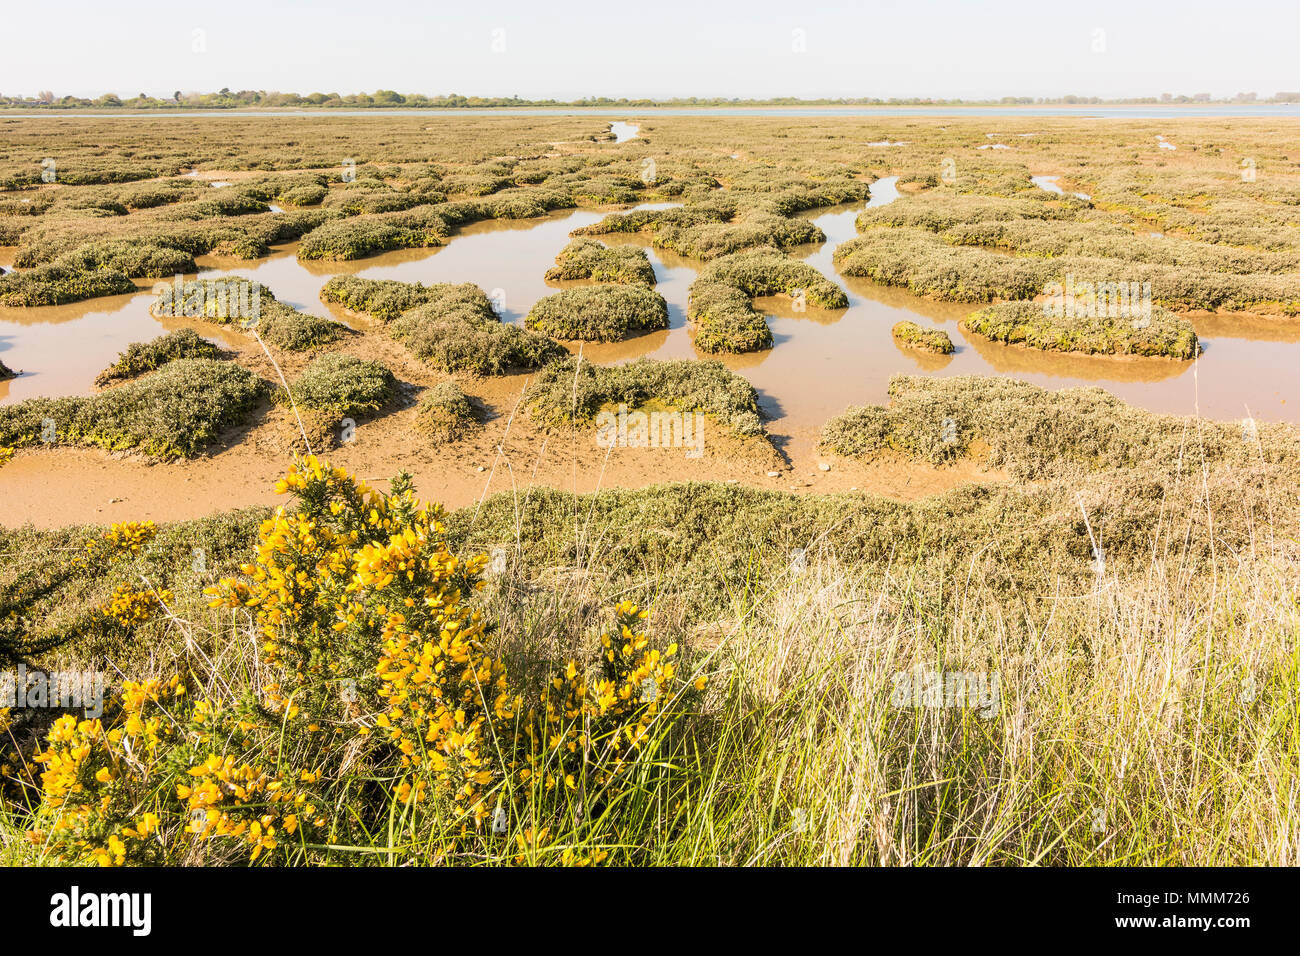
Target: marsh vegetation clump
452,327
914,336
307,195
599,313
973,248
713,227
720,301
364,235
54,284
572,392
175,411
725,319
342,385
386,299
445,413
762,272
134,259
251,305
1035,433
589,259
1161,333
141,357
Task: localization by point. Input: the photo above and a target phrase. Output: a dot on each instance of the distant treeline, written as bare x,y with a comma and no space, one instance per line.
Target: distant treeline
388,99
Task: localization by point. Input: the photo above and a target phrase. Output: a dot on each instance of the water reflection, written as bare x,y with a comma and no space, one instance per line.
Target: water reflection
623,131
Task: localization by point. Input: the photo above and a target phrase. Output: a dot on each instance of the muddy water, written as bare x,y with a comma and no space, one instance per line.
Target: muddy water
822,361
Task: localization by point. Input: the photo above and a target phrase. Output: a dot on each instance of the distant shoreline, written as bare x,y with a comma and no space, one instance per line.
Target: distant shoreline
1099,111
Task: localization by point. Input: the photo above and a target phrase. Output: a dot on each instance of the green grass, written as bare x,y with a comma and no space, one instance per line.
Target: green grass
176,411
599,313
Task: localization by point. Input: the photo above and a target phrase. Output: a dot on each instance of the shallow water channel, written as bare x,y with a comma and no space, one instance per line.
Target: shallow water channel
822,360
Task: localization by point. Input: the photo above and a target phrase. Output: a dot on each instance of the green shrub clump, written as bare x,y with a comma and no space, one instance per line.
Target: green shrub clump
573,392
1036,433
600,313
343,385
446,413
589,259
355,238
173,412
1032,325
720,303
927,340
54,284
452,327
141,357
250,305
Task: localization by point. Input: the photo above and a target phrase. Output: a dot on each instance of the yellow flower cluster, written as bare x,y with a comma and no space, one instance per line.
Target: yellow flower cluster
594,719
92,770
436,695
122,540
131,607
243,802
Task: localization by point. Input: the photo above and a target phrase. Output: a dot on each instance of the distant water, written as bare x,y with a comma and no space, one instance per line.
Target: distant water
1261,110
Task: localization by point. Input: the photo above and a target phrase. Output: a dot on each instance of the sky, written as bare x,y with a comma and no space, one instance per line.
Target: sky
642,48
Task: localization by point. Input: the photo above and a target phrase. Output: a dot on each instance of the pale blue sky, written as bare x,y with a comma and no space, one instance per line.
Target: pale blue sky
644,48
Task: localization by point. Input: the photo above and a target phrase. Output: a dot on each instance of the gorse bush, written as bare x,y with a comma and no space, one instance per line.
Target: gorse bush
599,313
175,411
141,357
381,697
